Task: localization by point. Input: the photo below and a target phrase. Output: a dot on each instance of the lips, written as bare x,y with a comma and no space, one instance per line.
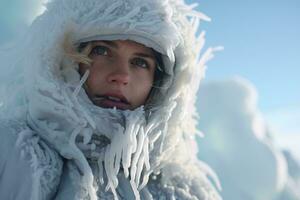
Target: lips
111,100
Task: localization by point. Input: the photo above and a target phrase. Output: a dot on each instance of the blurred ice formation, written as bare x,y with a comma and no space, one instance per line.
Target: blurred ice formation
239,146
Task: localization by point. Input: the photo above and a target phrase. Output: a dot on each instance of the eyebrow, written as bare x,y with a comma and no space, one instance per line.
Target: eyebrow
116,46
110,43
146,55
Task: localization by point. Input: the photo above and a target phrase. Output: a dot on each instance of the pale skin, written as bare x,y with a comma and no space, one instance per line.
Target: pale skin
121,74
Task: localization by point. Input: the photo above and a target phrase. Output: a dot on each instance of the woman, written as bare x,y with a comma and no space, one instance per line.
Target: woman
103,104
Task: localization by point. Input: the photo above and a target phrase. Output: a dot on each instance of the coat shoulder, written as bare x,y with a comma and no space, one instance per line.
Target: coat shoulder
29,168
15,171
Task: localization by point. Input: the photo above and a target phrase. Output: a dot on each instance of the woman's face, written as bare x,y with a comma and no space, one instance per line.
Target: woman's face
121,74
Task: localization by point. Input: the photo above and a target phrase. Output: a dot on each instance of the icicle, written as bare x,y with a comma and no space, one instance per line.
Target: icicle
192,6
200,43
101,174
74,95
195,24
126,155
131,148
133,139
117,158
162,142
146,176
150,127
112,179
146,154
210,173
137,154
82,81
209,54
75,152
154,138
189,10
135,191
140,166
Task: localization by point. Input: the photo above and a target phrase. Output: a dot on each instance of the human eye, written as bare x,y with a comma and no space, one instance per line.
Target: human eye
99,50
140,62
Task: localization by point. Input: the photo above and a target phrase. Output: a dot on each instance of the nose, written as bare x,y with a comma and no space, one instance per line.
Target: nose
120,76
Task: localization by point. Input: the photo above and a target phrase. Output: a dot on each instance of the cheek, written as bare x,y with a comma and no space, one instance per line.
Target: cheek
148,86
94,80
143,86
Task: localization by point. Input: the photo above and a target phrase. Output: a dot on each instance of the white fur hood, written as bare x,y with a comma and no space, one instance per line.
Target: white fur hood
142,142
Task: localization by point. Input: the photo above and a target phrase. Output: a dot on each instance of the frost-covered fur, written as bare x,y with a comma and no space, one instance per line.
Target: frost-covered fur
149,155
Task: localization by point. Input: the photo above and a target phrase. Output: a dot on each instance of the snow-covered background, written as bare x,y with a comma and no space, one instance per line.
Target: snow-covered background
262,44
239,144
249,103
252,88
15,16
